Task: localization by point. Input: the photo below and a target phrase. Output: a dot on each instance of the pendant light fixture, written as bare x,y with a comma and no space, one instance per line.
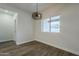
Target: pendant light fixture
36,15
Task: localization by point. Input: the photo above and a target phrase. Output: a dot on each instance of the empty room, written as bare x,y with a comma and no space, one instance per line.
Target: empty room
39,29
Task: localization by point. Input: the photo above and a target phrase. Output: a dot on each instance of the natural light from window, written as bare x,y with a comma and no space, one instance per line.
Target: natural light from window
51,24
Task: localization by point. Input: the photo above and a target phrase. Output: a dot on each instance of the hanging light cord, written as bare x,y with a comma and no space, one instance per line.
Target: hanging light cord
36,7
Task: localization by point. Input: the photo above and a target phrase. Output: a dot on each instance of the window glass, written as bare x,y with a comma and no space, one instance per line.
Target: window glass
46,25
51,24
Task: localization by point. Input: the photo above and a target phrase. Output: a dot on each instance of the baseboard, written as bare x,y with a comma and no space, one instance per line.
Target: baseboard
68,50
5,41
19,43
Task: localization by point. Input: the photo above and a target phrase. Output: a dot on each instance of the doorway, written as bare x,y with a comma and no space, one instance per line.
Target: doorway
7,25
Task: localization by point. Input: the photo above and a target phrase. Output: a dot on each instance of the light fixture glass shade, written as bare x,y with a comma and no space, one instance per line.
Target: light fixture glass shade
36,15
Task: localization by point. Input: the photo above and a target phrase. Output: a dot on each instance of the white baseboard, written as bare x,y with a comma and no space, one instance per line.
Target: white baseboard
69,50
22,42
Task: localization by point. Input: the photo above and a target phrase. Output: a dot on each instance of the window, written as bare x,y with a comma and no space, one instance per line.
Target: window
51,24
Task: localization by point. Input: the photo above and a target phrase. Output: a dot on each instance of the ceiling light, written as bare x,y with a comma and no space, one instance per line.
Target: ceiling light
36,15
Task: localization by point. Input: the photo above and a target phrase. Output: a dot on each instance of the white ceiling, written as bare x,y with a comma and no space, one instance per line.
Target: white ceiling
31,7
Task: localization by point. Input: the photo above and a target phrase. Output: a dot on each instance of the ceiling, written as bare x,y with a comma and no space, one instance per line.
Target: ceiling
31,7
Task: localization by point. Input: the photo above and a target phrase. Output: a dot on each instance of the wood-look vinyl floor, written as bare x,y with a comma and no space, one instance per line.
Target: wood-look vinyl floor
33,48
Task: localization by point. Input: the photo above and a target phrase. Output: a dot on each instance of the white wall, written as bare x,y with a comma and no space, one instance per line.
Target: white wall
24,27
68,38
6,27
